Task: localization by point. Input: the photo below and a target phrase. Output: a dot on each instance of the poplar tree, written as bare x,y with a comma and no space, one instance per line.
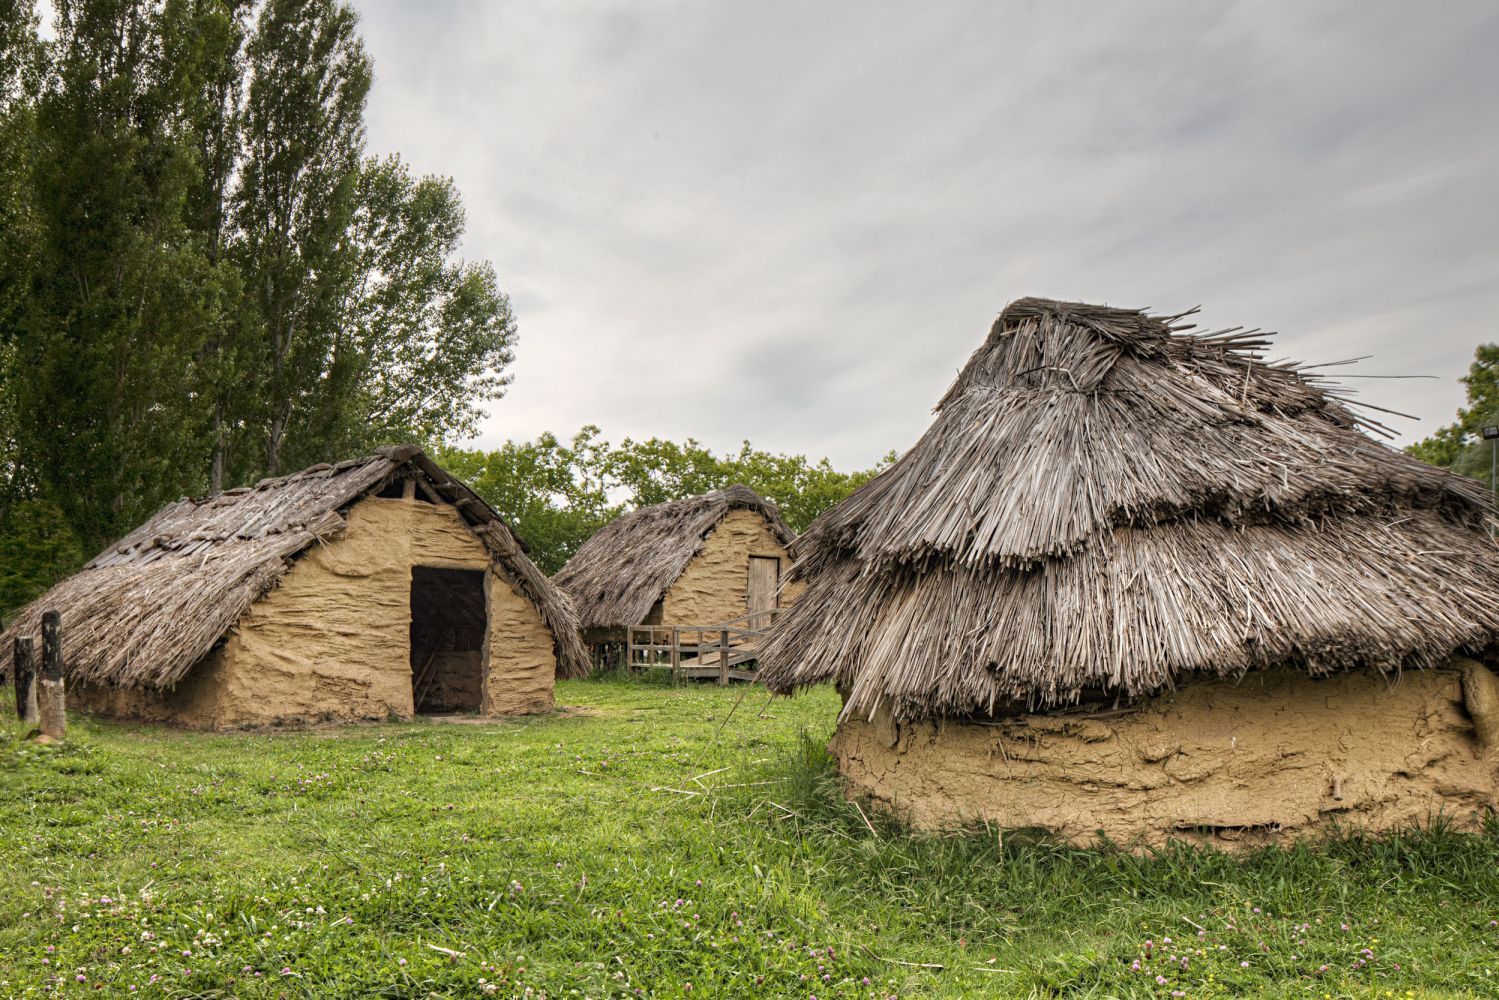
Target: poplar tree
204,279
121,295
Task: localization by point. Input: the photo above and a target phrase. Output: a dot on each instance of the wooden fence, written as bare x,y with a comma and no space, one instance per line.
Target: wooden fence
724,650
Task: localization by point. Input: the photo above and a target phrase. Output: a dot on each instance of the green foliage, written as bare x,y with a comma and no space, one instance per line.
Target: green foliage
1459,446
430,334
556,496
203,278
38,547
297,198
655,471
550,493
119,293
651,838
803,489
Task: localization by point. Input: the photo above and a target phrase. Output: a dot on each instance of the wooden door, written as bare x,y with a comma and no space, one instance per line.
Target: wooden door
764,581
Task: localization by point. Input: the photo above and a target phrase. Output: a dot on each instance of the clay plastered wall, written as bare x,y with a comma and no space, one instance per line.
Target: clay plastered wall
1279,756
715,585
521,652
192,703
332,641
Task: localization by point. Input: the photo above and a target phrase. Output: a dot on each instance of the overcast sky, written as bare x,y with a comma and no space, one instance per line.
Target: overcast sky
792,222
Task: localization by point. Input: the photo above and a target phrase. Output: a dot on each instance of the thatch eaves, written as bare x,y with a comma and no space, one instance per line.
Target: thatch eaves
1107,503
145,610
619,574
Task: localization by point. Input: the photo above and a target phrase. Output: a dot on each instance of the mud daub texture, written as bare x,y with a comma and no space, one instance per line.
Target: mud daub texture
715,585
1276,757
332,641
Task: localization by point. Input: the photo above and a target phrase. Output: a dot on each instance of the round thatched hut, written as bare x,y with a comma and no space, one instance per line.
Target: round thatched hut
1139,581
369,589
695,561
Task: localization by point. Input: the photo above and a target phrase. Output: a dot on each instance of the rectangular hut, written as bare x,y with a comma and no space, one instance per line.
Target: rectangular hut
373,589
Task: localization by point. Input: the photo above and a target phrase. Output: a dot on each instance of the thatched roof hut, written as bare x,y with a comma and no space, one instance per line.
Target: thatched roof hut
314,595
1108,509
689,561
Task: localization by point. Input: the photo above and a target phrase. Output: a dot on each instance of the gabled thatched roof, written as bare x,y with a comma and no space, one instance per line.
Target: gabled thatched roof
619,574
1108,504
147,608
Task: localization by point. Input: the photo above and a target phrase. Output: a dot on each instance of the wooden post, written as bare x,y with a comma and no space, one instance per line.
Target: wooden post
51,698
723,657
23,665
676,653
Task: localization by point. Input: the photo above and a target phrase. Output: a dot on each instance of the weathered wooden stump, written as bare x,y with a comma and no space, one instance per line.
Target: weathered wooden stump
23,667
52,698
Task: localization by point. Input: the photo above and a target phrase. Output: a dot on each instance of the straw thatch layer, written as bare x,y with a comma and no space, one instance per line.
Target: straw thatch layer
149,607
619,574
1106,503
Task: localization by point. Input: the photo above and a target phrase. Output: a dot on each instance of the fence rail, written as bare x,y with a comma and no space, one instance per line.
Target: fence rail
700,650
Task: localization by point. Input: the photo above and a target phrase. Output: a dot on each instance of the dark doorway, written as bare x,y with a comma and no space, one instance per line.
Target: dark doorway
447,640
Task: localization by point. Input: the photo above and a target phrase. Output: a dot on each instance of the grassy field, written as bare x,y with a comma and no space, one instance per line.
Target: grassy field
642,842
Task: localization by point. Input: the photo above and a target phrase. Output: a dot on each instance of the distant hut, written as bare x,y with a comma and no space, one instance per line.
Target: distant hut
1142,582
697,561
370,589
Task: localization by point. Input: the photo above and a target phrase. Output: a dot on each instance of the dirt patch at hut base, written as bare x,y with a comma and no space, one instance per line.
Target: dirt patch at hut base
1275,758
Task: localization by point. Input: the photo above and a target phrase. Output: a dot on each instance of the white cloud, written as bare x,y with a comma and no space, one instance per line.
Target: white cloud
793,222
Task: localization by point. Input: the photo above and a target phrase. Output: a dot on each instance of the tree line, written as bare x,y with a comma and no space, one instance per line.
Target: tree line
556,493
204,277
1459,446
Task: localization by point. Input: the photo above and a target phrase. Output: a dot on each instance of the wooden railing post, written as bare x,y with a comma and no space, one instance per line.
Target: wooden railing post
723,657
23,666
676,653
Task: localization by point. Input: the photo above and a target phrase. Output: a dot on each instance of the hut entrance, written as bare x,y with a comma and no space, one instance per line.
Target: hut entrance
447,639
764,581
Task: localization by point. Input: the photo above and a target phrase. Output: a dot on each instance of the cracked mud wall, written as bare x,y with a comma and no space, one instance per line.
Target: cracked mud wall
520,652
332,641
715,585
1278,757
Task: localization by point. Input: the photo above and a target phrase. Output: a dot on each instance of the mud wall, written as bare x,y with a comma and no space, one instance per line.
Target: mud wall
1279,756
715,585
191,703
332,640
520,652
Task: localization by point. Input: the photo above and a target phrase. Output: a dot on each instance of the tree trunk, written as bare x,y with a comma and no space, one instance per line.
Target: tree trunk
216,469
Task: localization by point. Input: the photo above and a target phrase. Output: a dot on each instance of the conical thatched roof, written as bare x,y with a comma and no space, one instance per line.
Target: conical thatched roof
619,574
1107,504
147,608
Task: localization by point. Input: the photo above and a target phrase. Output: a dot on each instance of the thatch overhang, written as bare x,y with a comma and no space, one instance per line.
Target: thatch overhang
1107,504
145,610
619,574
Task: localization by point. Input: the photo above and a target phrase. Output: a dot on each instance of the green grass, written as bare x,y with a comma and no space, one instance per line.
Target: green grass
644,843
